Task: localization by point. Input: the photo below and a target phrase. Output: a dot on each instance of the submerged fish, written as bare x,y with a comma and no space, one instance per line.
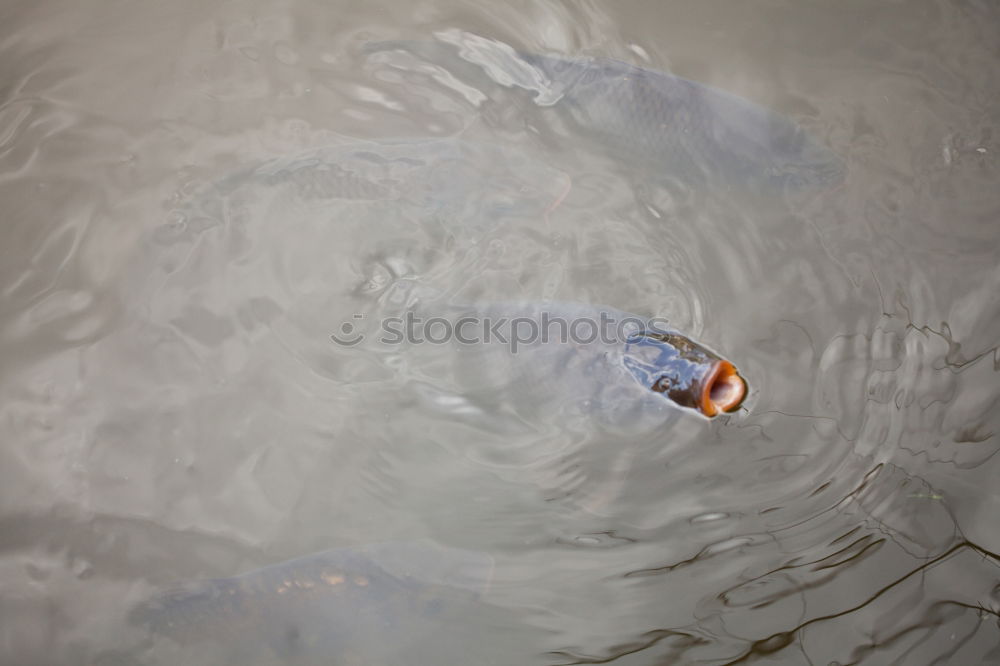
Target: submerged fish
381,603
348,214
679,128
445,178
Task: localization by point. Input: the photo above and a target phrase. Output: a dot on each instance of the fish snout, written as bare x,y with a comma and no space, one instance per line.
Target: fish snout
723,390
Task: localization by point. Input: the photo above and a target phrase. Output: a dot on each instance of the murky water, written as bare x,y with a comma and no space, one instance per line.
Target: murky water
198,196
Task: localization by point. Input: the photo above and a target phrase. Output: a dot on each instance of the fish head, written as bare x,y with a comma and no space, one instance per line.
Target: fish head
684,372
766,149
800,163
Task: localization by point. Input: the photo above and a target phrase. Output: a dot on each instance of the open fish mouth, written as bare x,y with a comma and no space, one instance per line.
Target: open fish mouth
724,390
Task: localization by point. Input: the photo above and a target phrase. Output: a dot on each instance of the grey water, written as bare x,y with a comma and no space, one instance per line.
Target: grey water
201,200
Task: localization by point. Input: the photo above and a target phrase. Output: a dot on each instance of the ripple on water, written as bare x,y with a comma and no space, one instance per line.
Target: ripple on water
174,408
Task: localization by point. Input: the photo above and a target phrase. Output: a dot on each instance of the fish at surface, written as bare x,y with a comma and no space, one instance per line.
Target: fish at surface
630,371
667,125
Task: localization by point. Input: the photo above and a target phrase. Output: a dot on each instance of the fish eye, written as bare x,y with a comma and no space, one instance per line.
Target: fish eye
662,384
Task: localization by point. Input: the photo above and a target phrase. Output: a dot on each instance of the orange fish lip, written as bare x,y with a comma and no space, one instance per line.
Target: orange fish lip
723,390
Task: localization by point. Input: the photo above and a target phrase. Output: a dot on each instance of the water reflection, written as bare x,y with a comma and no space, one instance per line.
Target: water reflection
196,202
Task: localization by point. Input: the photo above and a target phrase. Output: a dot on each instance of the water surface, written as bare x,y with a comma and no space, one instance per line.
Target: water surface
197,196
